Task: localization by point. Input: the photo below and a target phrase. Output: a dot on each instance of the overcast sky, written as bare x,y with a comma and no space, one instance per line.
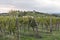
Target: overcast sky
49,6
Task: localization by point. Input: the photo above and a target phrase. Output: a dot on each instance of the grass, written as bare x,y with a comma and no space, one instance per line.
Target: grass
30,35
55,35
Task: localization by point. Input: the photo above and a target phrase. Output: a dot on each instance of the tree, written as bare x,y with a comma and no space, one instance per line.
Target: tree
14,13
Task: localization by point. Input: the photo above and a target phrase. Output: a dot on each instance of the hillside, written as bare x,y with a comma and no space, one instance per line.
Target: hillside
29,25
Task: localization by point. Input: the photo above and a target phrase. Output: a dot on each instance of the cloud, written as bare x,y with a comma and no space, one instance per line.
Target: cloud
49,6
6,8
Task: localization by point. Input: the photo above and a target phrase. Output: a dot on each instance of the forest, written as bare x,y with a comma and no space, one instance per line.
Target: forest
29,25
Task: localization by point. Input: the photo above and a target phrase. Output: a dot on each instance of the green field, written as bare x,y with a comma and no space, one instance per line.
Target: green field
55,35
29,26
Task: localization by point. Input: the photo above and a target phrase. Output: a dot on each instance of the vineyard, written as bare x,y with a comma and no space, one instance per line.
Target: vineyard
29,27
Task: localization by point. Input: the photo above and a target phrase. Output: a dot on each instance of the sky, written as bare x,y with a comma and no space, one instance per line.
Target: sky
48,6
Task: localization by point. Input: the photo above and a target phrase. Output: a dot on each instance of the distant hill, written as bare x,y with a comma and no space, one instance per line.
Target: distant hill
34,13
56,14
3,14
